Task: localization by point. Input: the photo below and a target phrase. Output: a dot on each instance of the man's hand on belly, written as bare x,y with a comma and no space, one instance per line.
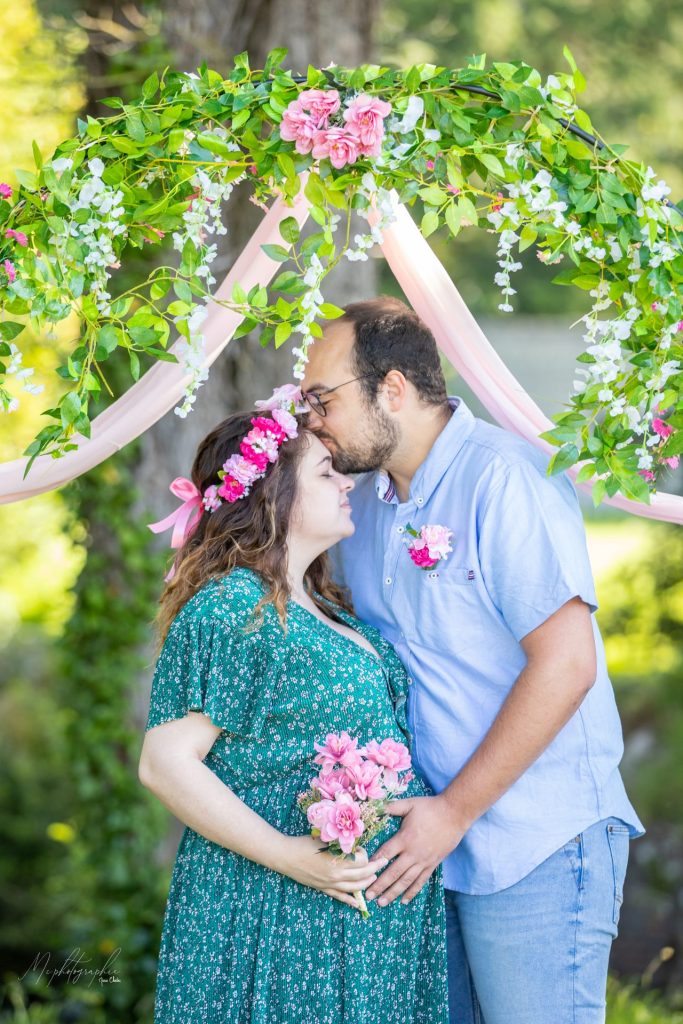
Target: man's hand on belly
426,836
560,670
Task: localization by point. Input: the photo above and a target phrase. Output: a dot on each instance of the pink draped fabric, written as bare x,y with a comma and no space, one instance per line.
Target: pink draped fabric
437,301
162,387
427,287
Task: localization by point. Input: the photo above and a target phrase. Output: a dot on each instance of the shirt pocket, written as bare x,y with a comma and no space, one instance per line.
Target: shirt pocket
448,610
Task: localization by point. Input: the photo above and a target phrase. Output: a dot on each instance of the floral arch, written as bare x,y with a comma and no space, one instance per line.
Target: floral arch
496,148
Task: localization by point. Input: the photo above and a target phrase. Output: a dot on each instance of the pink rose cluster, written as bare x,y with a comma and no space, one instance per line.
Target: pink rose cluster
431,545
359,132
665,431
258,449
350,779
17,236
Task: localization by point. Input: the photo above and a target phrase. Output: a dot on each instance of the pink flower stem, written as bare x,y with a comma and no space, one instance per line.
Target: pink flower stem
362,905
360,898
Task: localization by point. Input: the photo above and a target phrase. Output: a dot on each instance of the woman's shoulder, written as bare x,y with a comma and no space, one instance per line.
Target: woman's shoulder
230,598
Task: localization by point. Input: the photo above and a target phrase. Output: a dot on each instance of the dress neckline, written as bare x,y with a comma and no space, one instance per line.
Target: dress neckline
376,657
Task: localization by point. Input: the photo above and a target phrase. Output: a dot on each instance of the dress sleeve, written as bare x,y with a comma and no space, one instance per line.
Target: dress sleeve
208,663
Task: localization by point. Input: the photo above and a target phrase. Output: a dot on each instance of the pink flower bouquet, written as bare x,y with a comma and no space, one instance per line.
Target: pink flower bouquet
346,803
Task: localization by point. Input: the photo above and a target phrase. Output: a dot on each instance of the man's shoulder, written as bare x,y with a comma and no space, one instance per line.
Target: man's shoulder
501,450
494,457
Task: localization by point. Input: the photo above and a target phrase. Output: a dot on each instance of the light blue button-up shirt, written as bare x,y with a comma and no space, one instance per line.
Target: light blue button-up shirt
519,554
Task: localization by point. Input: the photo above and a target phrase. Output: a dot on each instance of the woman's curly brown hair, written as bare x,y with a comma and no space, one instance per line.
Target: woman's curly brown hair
251,532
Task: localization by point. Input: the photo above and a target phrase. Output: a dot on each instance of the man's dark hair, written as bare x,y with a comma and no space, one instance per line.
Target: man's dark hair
390,336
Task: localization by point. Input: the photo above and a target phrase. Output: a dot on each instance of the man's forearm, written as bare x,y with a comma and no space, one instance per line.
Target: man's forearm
539,704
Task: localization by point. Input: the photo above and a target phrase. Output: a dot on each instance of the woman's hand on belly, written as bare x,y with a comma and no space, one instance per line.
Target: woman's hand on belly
305,860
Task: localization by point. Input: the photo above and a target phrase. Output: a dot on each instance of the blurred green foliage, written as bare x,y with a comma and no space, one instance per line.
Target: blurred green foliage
630,54
641,618
626,1005
85,876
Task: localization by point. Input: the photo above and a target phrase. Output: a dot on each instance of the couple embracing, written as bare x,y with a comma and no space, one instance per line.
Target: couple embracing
441,599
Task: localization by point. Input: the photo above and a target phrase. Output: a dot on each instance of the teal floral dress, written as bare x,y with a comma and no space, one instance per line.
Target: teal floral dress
241,943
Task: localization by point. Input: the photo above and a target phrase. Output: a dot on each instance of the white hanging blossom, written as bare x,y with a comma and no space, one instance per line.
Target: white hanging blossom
191,355
508,265
603,340
413,112
531,200
556,92
202,218
384,206
311,303
514,151
96,234
653,192
22,373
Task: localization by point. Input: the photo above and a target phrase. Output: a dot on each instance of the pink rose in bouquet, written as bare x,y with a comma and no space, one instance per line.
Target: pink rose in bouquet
388,754
366,781
337,749
341,821
334,781
345,804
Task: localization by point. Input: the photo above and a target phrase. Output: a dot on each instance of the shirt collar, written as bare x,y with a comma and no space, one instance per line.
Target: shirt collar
441,455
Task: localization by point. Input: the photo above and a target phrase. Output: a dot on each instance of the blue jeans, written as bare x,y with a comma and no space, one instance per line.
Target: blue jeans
537,952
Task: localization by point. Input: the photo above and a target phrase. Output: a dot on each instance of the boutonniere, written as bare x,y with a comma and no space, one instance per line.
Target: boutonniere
429,545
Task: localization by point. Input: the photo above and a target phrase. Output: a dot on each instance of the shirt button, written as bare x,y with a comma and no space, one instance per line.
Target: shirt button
419,500
400,529
388,580
410,681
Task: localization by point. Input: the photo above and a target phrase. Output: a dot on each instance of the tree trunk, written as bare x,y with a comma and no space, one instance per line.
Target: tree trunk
215,31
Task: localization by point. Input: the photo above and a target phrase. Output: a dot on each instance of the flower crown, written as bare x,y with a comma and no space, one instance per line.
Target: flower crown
259,448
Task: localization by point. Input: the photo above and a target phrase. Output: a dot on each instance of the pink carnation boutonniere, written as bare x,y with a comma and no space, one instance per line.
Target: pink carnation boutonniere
429,546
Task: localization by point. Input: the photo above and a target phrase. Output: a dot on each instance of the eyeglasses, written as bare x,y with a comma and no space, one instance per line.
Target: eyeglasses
313,399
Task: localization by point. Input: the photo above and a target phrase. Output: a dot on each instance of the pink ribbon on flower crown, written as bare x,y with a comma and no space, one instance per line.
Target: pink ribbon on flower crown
184,519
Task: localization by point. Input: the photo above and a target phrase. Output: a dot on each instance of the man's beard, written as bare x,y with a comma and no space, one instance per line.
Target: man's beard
361,458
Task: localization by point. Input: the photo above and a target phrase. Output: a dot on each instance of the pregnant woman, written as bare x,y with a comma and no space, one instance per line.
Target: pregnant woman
261,659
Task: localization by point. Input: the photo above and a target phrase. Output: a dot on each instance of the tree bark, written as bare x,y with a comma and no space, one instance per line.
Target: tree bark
214,31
